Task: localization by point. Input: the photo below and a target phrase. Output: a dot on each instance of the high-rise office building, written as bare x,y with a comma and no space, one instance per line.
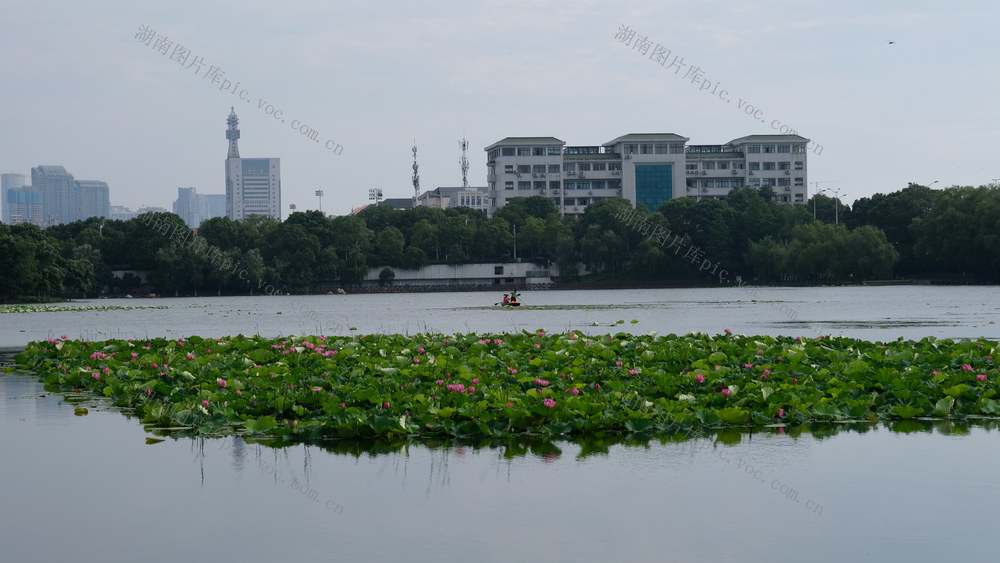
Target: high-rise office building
94,199
195,208
59,194
9,182
253,185
64,199
21,204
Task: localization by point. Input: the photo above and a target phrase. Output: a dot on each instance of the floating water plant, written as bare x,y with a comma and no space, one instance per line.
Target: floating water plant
528,383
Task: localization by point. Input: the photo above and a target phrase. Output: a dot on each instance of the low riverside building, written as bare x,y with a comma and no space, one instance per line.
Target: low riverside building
469,276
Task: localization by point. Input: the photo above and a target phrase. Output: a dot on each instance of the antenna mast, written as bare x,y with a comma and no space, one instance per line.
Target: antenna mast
416,177
465,163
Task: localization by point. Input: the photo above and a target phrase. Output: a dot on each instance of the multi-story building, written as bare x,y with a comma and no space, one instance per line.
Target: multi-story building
21,204
121,213
253,185
64,199
195,208
59,194
775,161
10,182
94,199
643,168
444,197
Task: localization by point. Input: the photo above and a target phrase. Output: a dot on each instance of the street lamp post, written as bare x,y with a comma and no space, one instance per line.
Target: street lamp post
814,202
836,215
319,194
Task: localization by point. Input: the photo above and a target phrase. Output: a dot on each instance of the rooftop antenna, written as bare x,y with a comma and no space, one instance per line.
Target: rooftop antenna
465,163
416,177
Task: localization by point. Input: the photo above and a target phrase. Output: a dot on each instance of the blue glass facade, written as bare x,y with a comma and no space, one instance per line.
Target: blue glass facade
654,184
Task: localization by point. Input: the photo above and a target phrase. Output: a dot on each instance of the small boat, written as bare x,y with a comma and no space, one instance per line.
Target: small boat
511,304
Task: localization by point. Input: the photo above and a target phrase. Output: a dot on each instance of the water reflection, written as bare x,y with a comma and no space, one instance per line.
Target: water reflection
908,490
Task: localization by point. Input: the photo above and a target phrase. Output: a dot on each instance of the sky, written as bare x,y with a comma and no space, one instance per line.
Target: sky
82,91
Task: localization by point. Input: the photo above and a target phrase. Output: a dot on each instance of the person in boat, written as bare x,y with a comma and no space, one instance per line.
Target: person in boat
513,299
506,299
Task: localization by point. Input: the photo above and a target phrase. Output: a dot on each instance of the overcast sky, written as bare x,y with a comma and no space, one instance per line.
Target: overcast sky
81,91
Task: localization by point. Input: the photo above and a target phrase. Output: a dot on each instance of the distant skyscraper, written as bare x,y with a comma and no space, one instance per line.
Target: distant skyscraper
21,204
94,199
65,200
253,185
186,206
9,182
59,194
195,208
211,205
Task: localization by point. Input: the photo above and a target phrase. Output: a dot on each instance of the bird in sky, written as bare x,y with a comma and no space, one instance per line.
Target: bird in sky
891,42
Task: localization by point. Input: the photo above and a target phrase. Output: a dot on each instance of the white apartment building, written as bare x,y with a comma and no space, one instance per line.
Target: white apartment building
647,168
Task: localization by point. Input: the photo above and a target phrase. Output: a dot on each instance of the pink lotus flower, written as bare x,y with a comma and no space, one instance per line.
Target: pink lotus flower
472,389
935,372
795,381
618,363
763,377
317,388
498,342
981,377
760,352
574,391
699,378
221,382
440,382
190,356
748,366
385,405
538,345
95,375
767,372
446,341
238,392
149,391
966,367
633,372
541,382
64,337
416,360
342,405
781,412
205,403
509,404
549,403
725,392
727,331
475,380
597,386
420,350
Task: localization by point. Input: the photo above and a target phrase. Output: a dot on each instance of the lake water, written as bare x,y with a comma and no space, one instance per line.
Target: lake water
89,488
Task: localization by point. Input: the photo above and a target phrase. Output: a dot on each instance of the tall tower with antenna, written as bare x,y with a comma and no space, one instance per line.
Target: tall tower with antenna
416,177
465,163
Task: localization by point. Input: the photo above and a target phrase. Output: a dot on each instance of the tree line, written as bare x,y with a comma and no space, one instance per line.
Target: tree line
915,232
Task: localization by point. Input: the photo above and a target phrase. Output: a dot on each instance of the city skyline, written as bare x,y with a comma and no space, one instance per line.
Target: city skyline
342,109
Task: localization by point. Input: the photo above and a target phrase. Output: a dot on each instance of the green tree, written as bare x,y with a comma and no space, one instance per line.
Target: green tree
389,245
386,276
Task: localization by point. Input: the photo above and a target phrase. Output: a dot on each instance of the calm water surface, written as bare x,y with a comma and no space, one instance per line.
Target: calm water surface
873,313
89,488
